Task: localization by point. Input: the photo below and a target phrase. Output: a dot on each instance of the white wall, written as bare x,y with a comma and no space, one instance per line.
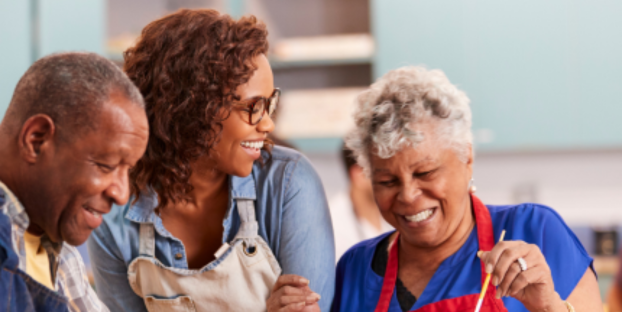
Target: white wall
585,187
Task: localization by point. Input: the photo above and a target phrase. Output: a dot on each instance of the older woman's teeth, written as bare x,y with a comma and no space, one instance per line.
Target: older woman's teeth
422,216
254,144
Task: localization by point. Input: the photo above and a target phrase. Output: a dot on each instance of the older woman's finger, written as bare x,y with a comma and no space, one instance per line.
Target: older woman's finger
507,257
521,282
490,258
537,274
510,275
290,280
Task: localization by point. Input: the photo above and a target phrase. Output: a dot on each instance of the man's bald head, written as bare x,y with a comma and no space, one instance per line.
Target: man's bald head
70,88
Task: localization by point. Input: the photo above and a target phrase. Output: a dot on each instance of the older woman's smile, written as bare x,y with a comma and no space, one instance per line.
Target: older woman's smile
421,216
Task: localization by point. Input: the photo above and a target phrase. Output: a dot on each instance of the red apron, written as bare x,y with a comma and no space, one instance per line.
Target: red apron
467,303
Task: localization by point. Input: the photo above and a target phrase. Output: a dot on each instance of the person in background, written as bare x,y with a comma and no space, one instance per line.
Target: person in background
614,295
355,214
413,137
217,215
75,126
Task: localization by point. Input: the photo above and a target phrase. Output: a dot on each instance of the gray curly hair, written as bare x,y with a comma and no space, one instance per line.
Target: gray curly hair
390,114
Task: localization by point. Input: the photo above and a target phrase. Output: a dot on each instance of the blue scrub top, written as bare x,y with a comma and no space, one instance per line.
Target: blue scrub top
358,286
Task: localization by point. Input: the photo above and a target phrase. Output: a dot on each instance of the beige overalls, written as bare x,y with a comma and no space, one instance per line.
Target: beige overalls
245,272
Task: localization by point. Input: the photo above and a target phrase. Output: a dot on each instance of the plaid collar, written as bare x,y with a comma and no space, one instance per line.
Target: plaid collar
14,209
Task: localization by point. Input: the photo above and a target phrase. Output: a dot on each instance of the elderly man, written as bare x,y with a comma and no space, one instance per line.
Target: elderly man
74,128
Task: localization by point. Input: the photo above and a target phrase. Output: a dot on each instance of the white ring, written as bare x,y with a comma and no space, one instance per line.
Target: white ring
522,263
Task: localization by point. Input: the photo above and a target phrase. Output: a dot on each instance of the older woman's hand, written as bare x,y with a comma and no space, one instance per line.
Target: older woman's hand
292,293
534,286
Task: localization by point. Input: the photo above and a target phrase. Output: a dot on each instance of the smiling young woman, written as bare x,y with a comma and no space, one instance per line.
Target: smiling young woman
218,214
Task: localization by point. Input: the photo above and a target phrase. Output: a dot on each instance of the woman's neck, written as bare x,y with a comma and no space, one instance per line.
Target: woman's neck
207,185
429,259
210,189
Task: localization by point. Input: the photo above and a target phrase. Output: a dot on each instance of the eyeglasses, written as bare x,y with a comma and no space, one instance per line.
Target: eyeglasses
258,106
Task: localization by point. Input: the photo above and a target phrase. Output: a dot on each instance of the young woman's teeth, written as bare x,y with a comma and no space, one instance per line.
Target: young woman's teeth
254,144
422,216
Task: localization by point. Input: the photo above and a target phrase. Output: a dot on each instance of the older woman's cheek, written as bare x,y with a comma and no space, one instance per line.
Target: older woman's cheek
385,206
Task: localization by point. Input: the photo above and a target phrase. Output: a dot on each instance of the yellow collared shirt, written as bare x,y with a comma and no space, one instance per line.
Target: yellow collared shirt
37,261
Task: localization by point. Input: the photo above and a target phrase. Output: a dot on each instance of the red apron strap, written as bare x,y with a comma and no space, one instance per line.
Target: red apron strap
486,240
390,277
485,234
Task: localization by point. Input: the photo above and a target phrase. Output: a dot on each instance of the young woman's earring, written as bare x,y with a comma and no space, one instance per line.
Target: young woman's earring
472,188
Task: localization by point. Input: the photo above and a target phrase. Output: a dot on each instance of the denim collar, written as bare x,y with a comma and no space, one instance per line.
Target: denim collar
143,211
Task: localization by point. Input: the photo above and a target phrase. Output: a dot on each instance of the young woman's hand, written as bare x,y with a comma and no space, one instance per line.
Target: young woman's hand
531,284
292,293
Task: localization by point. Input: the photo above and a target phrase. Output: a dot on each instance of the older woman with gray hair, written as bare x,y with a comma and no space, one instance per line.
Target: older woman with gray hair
413,137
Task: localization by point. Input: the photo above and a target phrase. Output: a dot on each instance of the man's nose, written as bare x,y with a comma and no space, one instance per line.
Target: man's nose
119,189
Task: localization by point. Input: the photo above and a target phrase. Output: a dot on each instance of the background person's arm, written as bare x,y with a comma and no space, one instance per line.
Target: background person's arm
586,296
307,246
110,273
614,298
614,295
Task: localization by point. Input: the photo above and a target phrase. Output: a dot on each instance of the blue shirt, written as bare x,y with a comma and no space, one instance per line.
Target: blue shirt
358,286
291,210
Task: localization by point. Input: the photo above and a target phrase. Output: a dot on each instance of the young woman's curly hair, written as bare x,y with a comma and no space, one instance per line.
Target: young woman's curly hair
188,65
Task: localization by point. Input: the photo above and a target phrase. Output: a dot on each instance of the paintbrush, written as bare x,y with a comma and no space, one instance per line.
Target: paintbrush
486,281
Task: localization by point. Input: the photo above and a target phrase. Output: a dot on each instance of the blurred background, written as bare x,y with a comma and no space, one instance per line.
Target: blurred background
544,79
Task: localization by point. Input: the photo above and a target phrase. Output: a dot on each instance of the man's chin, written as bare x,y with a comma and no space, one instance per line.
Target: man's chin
76,239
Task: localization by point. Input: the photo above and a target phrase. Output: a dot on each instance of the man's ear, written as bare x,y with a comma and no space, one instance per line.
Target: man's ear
37,132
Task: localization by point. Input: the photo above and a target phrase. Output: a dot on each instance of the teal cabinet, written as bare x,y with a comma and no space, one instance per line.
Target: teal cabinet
541,75
35,28
71,25
15,46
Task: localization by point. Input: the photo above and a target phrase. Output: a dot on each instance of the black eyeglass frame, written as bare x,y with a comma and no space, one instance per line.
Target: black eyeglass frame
273,100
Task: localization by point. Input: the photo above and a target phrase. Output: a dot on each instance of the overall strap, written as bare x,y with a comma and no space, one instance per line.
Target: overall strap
147,240
248,226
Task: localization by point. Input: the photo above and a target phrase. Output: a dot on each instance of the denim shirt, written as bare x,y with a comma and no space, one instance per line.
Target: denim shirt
18,291
67,268
291,210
